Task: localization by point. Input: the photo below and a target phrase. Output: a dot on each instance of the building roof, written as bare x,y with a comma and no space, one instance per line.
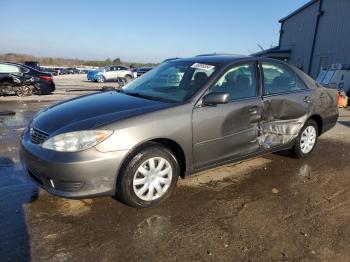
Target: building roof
298,10
274,52
214,58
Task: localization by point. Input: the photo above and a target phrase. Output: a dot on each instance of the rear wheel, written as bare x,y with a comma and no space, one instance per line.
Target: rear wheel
101,79
128,78
149,177
307,139
24,91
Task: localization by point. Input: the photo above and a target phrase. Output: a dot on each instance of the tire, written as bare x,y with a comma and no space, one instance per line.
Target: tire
24,91
162,182
305,137
101,79
128,78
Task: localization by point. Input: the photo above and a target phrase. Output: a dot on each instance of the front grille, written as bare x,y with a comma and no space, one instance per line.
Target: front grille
37,136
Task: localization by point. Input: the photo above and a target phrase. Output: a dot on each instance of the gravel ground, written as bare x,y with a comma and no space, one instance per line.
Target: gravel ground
270,208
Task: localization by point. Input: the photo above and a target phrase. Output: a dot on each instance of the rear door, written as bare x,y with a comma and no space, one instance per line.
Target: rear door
227,131
122,71
287,102
109,72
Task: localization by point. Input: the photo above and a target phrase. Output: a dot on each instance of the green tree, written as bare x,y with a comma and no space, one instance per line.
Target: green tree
117,61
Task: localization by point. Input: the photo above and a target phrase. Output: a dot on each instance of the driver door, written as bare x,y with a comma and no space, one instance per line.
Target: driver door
227,131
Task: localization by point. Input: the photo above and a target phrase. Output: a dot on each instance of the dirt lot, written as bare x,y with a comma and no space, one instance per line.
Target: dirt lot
271,208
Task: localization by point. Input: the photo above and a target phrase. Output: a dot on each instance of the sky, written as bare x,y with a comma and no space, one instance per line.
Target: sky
140,30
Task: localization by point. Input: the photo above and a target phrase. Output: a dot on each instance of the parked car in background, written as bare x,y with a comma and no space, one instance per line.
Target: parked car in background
33,64
11,84
142,70
110,73
136,142
72,70
63,71
23,80
51,71
80,70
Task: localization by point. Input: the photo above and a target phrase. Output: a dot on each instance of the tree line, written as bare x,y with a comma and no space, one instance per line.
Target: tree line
56,61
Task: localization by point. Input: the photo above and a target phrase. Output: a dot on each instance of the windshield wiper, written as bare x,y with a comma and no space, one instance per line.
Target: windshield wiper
140,95
136,94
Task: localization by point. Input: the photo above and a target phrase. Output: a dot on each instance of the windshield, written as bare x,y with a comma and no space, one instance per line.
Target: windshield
173,81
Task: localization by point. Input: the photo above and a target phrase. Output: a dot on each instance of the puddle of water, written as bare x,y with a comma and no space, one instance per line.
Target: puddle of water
305,171
17,120
6,162
226,175
68,207
152,227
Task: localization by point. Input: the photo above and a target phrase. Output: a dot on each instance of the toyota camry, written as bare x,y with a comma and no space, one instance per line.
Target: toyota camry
184,116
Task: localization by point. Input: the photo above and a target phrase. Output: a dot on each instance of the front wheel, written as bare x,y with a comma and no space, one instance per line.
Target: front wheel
101,79
149,177
307,138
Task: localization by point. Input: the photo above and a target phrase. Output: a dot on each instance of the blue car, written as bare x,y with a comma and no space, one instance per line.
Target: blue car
110,73
95,75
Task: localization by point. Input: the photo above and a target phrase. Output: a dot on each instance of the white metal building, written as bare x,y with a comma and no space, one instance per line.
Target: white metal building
315,35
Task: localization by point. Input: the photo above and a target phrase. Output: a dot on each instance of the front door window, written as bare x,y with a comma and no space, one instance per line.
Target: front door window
239,82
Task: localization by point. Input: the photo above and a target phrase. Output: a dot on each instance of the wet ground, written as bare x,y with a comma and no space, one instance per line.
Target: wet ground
271,208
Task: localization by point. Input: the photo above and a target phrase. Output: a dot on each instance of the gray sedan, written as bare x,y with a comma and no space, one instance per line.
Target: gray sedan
182,117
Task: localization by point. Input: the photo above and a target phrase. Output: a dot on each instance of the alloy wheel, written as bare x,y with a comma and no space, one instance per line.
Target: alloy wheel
24,91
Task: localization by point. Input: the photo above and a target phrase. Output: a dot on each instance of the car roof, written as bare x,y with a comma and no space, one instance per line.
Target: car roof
13,63
215,58
21,65
18,64
116,65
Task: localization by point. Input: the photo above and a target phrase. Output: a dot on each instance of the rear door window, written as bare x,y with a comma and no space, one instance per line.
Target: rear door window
9,69
280,79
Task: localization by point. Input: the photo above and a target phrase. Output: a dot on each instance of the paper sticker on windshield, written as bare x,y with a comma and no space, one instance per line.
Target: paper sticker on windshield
202,66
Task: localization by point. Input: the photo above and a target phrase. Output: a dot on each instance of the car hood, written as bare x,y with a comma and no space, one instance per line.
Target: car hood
92,111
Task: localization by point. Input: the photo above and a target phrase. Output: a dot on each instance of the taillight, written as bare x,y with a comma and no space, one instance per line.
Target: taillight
47,78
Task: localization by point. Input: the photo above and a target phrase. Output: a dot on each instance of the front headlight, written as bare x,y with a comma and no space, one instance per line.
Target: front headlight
76,141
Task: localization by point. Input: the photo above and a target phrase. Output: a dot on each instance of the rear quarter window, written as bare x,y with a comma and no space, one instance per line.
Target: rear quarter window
9,69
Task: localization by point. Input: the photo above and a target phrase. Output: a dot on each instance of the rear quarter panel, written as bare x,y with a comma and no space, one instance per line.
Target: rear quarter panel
324,101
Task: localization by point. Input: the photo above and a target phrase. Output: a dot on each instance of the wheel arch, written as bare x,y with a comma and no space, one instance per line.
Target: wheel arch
319,122
170,144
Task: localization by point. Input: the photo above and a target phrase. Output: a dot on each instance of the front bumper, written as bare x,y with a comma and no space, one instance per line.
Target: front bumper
93,77
45,87
84,174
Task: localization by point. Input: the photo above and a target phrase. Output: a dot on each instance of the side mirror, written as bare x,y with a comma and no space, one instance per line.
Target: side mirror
216,98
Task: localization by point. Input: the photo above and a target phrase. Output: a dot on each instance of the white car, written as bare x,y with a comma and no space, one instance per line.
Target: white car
109,73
